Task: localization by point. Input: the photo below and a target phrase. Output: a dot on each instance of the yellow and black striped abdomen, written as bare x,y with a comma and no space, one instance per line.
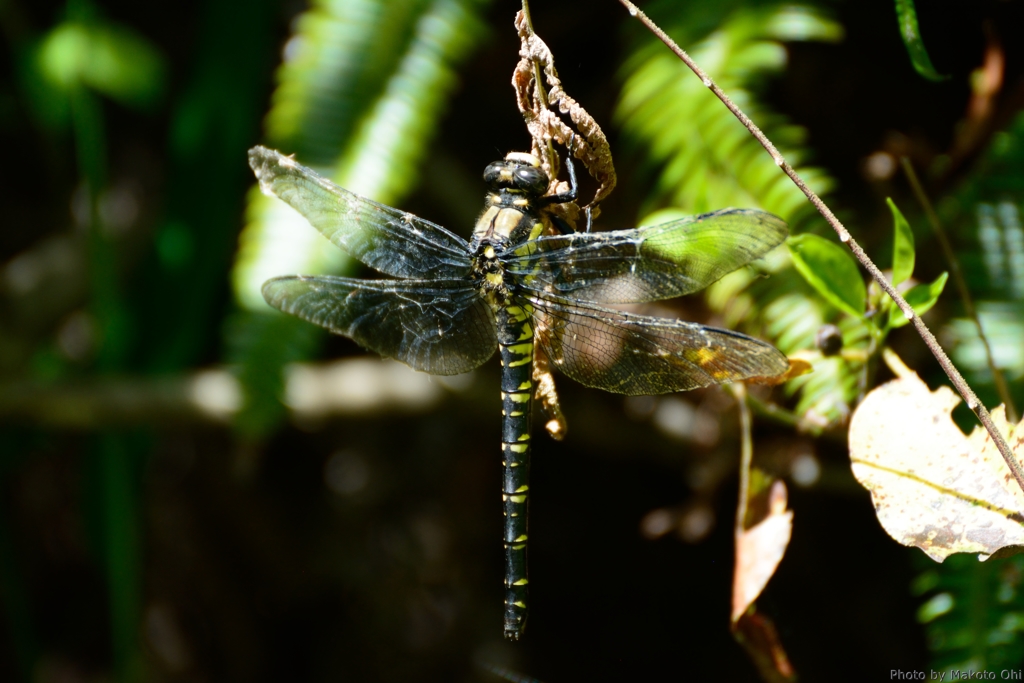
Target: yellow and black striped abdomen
515,346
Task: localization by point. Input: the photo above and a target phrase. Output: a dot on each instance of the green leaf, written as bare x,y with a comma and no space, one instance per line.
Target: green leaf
830,270
903,246
911,34
921,298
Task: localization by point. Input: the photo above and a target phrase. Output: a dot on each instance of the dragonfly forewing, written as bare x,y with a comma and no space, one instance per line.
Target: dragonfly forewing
651,263
394,242
443,327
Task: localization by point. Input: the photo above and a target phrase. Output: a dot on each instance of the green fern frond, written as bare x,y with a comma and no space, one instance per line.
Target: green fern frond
973,613
259,346
359,97
989,224
708,159
791,320
826,395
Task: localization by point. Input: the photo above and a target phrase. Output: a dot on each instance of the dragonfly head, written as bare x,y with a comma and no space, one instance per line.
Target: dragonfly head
517,171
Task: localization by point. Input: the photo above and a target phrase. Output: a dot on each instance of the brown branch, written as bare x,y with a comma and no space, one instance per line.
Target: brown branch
844,236
351,387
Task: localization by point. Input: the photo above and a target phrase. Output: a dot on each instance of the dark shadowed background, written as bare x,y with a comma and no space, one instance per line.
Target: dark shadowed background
164,517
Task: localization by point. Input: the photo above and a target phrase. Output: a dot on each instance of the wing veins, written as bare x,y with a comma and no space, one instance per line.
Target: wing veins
396,243
443,327
635,354
649,263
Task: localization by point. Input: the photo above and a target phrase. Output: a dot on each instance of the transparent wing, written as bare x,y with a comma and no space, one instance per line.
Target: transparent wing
443,327
396,243
639,355
646,264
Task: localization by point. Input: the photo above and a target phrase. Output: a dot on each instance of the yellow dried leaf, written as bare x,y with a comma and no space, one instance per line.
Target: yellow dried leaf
759,550
933,487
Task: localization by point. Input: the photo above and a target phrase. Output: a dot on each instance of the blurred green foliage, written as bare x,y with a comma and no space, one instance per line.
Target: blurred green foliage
906,13
973,613
987,212
112,60
361,92
705,158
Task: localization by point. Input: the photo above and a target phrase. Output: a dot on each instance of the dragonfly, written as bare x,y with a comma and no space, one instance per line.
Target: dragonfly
524,284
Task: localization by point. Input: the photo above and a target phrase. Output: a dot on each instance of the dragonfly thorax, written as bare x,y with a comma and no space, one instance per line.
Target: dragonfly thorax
489,276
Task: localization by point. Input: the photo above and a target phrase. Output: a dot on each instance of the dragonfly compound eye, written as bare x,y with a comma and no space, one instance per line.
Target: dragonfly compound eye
531,179
493,174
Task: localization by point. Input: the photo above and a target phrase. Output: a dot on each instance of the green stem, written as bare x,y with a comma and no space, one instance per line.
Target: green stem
118,486
746,456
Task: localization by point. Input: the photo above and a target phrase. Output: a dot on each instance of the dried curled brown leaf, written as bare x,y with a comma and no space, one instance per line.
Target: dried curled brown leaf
932,486
545,125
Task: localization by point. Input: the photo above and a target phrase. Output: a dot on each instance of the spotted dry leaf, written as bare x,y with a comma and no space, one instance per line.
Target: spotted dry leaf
933,487
590,146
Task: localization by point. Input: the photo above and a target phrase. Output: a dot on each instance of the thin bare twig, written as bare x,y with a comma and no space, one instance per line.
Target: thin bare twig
746,456
961,285
844,236
538,77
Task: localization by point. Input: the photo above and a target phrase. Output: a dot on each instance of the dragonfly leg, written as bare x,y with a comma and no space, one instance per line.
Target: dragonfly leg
565,197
